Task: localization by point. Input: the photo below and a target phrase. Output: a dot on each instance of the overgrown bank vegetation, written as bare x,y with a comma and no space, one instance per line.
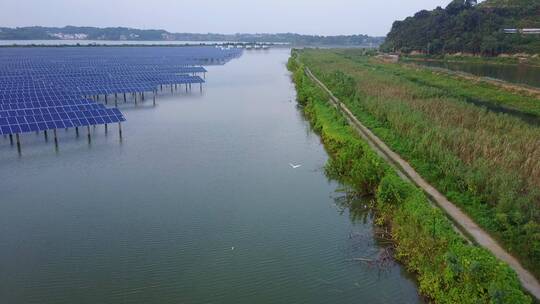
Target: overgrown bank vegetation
487,163
500,60
449,269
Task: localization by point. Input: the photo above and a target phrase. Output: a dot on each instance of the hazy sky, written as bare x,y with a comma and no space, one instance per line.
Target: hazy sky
327,17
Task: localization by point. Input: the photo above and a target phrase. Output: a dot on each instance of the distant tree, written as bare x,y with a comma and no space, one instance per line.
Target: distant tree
489,45
465,26
456,6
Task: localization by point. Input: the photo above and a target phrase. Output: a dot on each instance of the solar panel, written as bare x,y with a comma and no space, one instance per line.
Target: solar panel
68,119
45,88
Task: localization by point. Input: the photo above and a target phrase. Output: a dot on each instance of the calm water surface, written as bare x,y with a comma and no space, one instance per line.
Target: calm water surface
519,73
198,204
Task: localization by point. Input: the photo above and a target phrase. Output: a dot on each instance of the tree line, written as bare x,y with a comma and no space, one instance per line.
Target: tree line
466,27
123,33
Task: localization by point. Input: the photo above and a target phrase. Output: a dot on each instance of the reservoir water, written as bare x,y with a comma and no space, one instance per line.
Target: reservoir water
518,73
197,204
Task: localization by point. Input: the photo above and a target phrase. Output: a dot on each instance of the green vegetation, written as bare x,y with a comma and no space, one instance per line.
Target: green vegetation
444,85
449,270
505,60
123,33
486,163
463,27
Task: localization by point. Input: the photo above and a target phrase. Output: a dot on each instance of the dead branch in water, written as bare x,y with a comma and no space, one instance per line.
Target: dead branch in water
384,260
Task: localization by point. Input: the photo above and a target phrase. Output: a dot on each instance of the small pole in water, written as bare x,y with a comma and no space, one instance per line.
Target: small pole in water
77,131
46,135
135,96
201,86
106,101
125,99
154,98
18,143
106,129
120,130
55,138
89,137
11,139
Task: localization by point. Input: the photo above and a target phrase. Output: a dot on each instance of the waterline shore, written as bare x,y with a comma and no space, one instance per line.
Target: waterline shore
465,223
426,241
484,160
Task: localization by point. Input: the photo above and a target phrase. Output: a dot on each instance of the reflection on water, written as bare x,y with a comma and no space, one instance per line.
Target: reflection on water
520,73
371,248
357,206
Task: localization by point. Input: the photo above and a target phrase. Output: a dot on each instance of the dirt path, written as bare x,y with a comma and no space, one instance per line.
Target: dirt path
481,237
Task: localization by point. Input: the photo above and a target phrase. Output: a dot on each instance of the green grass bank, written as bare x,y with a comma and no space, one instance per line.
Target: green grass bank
487,163
449,269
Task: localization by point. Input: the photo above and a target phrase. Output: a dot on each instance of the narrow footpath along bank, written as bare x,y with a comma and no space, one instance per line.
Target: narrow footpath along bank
451,270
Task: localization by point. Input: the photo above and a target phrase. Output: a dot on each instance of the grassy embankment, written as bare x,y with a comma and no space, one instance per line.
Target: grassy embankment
431,83
471,78
449,269
487,163
506,60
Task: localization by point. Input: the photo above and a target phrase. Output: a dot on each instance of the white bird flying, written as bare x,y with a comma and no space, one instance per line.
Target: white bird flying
295,166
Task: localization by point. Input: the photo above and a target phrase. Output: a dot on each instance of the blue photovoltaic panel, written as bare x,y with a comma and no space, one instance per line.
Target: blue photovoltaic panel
68,119
44,88
51,110
25,124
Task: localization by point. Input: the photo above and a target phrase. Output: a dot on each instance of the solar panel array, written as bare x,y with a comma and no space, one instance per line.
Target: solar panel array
44,88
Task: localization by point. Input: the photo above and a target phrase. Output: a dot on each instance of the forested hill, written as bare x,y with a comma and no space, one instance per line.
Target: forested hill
466,27
123,33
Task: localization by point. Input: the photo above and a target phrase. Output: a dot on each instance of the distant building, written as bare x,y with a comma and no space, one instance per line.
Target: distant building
389,58
168,37
530,31
64,36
